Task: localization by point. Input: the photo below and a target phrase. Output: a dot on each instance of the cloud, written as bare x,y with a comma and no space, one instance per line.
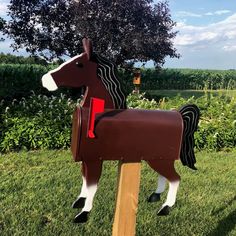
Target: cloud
187,14
223,32
229,48
219,12
3,8
209,14
231,34
182,14
5,47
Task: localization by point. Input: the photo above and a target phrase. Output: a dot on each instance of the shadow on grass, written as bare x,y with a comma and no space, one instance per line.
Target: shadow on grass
229,203
226,225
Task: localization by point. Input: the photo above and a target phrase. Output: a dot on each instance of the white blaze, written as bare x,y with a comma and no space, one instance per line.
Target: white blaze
49,83
47,79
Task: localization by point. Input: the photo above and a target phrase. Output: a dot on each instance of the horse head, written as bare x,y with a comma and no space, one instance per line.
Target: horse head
94,72
74,72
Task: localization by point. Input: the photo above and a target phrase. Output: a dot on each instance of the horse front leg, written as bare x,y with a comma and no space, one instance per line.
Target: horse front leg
91,175
80,201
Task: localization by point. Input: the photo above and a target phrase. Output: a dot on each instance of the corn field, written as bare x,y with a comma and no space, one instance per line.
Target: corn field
18,80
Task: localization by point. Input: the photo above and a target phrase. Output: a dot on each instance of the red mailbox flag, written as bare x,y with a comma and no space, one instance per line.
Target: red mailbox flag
96,106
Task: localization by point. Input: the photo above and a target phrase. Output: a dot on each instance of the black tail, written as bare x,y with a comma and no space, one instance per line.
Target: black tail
190,114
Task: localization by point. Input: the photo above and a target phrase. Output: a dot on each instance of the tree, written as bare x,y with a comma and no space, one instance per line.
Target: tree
1,23
1,27
121,30
12,59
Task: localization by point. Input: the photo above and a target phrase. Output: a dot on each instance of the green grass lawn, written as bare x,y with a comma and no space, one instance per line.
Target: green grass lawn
189,93
38,188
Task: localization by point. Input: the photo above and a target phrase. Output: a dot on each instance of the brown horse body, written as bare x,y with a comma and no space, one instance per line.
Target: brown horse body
159,137
149,135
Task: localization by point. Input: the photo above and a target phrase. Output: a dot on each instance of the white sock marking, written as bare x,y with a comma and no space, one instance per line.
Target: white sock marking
84,191
91,190
171,196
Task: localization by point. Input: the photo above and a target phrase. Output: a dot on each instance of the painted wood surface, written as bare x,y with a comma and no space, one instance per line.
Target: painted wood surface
127,199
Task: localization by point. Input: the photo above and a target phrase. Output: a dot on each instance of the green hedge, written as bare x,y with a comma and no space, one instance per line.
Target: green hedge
32,120
18,80
13,59
41,122
188,79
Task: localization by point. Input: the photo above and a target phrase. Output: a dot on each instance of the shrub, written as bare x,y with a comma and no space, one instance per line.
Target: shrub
38,122
139,101
41,122
18,80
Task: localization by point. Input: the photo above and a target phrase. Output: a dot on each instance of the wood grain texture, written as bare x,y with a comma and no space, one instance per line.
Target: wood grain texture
127,199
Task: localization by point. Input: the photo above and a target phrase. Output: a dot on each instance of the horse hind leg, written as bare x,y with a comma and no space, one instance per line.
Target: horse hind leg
171,198
167,170
156,196
90,183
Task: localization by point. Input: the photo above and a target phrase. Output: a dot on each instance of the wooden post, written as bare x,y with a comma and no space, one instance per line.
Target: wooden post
127,199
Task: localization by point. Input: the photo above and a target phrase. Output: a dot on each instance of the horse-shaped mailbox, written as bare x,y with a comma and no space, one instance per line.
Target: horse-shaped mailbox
104,129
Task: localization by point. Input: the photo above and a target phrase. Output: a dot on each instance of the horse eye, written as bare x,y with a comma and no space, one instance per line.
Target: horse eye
79,64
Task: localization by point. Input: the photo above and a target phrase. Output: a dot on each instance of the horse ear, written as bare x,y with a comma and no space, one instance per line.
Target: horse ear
87,45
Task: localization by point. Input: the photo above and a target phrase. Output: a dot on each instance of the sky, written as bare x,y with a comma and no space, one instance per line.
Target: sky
206,36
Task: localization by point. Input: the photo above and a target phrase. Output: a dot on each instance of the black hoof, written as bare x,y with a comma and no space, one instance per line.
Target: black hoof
82,217
164,211
79,203
154,197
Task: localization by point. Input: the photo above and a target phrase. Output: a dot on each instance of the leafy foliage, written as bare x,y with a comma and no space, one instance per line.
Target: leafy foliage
139,101
122,30
188,79
45,122
2,22
38,122
218,125
17,80
12,59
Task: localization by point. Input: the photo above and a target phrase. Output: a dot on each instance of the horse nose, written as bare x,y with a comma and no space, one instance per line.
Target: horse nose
48,82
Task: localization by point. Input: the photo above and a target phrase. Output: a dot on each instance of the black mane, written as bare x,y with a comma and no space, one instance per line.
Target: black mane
107,73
